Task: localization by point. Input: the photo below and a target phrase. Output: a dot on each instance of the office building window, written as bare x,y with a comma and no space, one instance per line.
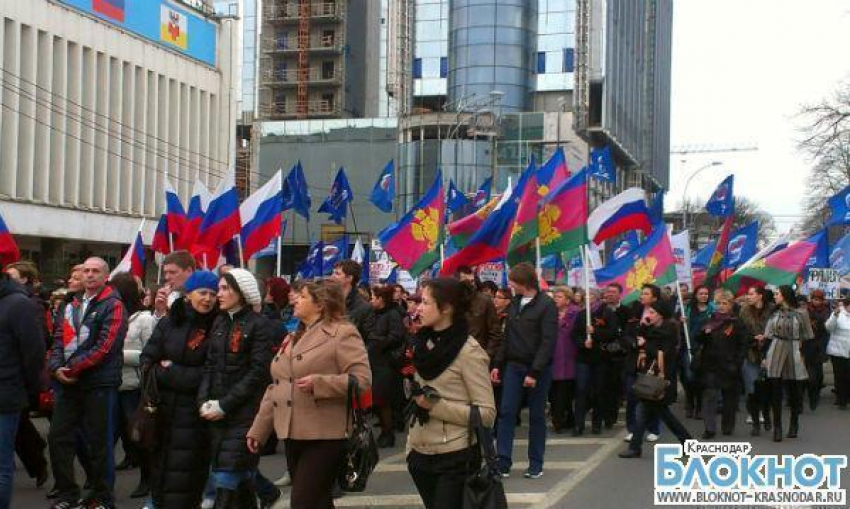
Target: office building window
444,67
541,62
328,70
569,59
417,68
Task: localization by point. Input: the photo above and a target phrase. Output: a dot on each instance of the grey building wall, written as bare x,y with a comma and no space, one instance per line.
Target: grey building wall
492,47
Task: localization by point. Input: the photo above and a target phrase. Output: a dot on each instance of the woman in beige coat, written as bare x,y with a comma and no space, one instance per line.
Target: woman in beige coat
454,371
306,404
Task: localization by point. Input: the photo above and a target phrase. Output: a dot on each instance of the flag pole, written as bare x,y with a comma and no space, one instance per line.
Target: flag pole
586,264
241,255
279,249
537,258
684,318
353,217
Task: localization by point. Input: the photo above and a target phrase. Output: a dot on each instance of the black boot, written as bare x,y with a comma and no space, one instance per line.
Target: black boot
777,421
794,425
225,499
141,490
386,440
247,498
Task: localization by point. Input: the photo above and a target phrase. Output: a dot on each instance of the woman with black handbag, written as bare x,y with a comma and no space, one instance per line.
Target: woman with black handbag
452,374
659,357
173,362
387,342
308,402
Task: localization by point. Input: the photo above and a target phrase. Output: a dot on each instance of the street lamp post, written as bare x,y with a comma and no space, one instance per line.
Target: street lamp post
685,193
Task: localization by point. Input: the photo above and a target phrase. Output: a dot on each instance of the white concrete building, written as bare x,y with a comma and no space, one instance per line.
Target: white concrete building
99,102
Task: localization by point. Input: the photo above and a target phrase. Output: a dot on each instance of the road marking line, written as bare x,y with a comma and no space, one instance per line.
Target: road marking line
563,488
519,465
411,500
567,441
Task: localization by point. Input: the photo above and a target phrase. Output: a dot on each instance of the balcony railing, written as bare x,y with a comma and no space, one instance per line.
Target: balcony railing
291,76
273,44
317,107
292,12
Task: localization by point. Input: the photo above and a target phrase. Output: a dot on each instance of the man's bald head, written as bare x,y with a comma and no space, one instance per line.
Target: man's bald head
95,273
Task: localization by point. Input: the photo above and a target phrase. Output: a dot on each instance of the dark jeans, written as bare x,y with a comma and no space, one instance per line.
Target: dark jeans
30,446
128,401
794,388
266,490
313,466
611,393
439,478
8,430
841,373
512,392
561,397
588,387
654,426
92,409
729,408
648,411
813,387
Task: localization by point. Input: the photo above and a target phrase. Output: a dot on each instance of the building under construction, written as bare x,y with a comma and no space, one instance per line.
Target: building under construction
314,61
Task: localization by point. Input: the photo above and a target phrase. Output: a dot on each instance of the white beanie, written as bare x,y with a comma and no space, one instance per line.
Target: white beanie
247,286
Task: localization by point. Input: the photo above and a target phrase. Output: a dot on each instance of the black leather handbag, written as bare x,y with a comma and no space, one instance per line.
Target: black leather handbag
483,489
649,387
361,451
144,424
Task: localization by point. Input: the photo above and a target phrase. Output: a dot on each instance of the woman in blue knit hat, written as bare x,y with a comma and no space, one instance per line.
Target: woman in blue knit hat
175,355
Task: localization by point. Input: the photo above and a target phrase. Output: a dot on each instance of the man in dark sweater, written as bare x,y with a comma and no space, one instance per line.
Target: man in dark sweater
21,363
360,313
524,363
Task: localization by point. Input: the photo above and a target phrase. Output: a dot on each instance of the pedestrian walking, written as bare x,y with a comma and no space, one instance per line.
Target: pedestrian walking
306,404
562,391
788,328
697,313
633,344
838,349
755,313
658,354
524,365
175,357
483,319
86,359
235,376
21,364
452,374
814,351
386,348
347,273
716,364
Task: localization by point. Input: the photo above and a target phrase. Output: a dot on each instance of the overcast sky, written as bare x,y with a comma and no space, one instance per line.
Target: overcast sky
741,71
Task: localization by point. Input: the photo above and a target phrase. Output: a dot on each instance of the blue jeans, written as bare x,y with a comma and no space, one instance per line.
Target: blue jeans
512,392
653,425
8,431
647,411
230,479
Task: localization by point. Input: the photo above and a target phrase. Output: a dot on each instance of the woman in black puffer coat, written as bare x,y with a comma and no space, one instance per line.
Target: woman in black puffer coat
176,354
387,342
235,378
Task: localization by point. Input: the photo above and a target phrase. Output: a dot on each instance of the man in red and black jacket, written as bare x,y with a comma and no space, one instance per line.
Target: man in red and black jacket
87,358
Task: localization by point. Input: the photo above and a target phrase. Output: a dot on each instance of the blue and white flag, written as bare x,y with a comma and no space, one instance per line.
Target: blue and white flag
839,258
334,252
296,195
384,190
722,201
482,196
312,266
839,206
601,165
456,199
336,204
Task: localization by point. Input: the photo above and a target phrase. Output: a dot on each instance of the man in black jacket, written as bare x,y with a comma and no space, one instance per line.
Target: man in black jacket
86,359
21,363
360,313
524,362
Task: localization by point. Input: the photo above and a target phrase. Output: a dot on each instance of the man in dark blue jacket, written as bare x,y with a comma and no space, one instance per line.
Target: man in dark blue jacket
21,364
524,363
86,359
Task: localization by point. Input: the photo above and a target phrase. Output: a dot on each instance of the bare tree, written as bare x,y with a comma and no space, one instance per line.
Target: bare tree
826,140
746,211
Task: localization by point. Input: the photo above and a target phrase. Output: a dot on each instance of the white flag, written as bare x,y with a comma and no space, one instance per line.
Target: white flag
358,254
682,254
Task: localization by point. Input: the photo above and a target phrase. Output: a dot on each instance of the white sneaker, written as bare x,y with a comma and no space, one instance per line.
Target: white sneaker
749,420
284,481
628,438
208,503
652,437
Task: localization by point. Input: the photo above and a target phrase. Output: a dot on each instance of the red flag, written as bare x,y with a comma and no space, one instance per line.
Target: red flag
9,252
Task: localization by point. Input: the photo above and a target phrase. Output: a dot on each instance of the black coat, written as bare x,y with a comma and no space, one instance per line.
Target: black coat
605,330
361,314
180,462
630,320
663,339
530,334
21,348
388,337
718,358
236,374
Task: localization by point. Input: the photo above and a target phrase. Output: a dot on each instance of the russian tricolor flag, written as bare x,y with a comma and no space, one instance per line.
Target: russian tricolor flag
221,221
261,216
161,242
134,260
625,212
9,252
198,205
174,212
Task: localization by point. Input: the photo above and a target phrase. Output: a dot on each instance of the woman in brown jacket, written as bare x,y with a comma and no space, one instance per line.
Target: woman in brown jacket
453,370
306,404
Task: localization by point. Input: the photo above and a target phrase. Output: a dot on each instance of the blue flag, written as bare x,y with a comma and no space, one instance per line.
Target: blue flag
743,245
312,266
624,245
384,190
839,206
332,253
722,201
456,200
336,204
820,257
482,196
296,195
601,165
656,208
703,257
839,258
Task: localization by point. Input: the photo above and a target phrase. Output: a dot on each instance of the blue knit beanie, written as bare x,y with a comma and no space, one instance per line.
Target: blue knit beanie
201,279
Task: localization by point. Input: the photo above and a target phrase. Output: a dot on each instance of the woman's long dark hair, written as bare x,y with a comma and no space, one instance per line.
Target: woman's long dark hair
789,296
695,301
128,289
451,292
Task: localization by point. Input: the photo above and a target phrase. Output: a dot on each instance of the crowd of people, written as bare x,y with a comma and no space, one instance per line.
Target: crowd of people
229,368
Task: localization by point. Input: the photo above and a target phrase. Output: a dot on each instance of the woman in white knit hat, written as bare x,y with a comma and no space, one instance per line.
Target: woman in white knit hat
235,378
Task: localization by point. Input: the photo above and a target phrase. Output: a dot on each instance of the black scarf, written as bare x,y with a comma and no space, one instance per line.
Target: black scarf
718,320
435,351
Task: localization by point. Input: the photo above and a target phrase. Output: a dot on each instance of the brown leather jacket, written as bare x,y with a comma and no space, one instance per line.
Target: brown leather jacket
484,323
